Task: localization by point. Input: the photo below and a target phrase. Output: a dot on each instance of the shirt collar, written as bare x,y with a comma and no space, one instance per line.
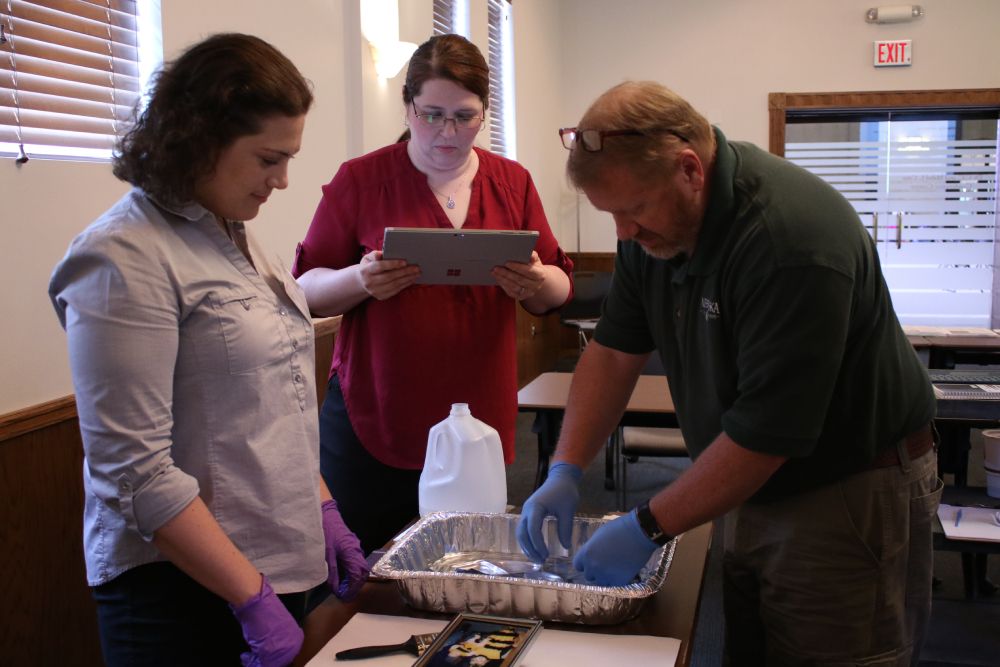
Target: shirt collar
720,213
191,211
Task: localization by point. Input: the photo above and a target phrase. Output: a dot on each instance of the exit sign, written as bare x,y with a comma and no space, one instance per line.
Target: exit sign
893,53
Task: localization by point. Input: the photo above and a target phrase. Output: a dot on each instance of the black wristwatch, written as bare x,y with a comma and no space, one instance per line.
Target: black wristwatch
649,525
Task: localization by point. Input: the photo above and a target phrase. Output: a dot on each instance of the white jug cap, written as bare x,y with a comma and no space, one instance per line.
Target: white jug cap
460,409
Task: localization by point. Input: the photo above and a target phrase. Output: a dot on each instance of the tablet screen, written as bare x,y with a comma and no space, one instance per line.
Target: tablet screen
457,256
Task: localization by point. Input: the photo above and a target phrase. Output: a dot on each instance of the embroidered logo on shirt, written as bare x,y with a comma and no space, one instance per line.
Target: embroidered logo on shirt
709,308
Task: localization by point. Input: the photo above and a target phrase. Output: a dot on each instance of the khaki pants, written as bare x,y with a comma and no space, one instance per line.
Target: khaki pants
837,576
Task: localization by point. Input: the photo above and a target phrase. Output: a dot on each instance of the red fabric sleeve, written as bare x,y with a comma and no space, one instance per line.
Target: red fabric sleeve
331,240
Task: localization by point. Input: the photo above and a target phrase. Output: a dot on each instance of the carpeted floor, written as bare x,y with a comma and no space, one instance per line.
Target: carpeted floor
963,632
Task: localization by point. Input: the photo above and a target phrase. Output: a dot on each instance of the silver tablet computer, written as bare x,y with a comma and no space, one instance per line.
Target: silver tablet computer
458,256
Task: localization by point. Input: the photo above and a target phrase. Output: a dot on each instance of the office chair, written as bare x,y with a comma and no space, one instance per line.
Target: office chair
582,312
638,441
633,442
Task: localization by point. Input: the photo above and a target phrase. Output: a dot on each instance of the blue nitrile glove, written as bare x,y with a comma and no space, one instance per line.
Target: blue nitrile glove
615,553
558,496
272,634
345,561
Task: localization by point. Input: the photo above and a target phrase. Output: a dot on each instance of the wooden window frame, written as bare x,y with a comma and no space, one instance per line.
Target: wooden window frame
779,104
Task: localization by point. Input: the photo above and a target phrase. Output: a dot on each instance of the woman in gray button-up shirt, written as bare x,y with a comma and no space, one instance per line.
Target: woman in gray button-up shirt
192,358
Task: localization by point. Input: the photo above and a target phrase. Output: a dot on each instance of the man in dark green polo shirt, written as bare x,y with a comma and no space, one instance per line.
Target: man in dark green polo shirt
803,405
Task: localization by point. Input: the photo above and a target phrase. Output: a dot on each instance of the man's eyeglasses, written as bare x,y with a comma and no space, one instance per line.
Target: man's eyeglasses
439,120
592,141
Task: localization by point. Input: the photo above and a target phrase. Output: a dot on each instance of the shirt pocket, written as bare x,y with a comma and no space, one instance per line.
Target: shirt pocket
249,330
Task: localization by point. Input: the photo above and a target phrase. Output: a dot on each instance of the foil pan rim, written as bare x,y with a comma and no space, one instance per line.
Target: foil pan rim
633,590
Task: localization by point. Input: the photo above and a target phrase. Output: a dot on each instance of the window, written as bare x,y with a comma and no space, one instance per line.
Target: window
501,45
452,16
924,184
71,73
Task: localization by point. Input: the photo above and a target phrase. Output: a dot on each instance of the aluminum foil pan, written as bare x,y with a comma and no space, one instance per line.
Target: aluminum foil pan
463,562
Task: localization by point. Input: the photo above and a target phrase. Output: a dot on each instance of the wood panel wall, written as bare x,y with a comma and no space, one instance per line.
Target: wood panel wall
48,615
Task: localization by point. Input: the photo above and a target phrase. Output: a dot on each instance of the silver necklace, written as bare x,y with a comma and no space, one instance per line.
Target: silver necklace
449,199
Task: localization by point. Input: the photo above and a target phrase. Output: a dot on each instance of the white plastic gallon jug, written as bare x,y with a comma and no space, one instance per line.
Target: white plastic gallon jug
463,469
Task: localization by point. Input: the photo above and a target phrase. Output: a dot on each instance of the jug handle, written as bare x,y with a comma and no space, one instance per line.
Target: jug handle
435,451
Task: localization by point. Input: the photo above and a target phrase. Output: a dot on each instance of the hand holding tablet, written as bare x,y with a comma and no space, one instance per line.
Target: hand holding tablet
385,279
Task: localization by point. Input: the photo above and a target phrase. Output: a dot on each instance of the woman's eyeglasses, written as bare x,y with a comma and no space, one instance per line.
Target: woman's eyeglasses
592,141
436,119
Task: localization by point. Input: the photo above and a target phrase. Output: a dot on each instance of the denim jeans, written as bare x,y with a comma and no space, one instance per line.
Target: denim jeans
155,615
375,500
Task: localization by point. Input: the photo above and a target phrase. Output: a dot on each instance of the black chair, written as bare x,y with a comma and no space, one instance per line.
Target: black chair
633,442
582,312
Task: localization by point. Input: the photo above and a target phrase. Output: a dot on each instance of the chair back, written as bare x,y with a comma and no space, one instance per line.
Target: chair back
589,290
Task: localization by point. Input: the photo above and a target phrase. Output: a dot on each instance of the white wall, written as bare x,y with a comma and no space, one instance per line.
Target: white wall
725,56
538,75
46,203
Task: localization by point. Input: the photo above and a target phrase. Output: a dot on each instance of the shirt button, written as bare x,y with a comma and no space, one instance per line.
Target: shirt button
297,378
295,343
282,312
677,312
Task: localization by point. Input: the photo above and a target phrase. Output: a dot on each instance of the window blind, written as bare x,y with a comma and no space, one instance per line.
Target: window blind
444,17
69,74
928,198
501,102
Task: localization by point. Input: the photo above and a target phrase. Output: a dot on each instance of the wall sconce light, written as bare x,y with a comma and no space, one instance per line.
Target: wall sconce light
380,26
390,57
894,14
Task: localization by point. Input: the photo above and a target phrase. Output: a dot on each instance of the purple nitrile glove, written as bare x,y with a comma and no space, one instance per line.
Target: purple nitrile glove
558,495
344,558
615,552
272,634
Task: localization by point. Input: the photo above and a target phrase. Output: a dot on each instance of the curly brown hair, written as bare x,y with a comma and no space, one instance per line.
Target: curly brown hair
450,57
220,89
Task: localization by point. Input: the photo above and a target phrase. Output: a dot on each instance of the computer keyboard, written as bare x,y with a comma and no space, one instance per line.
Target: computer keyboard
962,376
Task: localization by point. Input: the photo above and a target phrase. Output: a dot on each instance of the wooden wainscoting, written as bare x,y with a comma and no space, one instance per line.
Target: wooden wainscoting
537,344
48,615
593,261
326,331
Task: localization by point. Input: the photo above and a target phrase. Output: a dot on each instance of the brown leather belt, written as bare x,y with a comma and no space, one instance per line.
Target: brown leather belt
917,444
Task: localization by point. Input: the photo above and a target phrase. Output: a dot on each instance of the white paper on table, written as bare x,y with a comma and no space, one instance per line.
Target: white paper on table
552,648
977,524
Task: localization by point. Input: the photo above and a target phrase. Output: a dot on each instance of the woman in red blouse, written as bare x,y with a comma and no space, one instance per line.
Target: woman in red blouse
406,352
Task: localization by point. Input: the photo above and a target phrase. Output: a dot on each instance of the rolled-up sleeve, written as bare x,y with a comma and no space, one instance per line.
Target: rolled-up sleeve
332,239
121,318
